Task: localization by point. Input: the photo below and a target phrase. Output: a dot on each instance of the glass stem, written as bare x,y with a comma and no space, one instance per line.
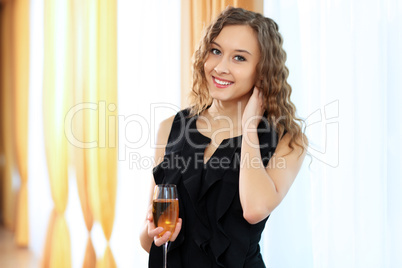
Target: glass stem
165,246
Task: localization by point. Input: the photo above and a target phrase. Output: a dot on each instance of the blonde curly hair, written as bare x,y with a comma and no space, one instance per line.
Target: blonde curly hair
281,112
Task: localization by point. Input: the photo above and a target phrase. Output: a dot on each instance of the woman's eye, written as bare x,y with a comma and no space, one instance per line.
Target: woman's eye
215,51
239,58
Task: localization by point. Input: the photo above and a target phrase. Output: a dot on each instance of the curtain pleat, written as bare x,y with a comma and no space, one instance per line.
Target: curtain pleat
195,15
107,90
45,262
90,256
80,22
95,118
107,114
107,261
21,94
7,88
60,255
91,119
57,88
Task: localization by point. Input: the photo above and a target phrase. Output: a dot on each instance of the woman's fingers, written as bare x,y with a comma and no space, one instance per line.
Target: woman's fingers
159,241
155,232
177,230
253,111
152,232
258,95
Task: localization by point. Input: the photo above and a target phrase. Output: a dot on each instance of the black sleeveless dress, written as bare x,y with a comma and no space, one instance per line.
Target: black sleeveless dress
214,232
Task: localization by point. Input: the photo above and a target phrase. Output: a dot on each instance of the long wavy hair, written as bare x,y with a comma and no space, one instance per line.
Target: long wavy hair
281,112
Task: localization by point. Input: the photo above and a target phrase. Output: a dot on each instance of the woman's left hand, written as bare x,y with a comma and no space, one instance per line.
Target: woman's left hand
254,111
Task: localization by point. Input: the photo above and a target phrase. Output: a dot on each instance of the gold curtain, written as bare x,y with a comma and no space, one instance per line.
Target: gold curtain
80,67
21,95
88,43
6,101
195,15
81,49
106,180
94,125
57,88
14,115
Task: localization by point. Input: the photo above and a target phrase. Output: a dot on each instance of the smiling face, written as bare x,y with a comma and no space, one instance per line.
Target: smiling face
230,68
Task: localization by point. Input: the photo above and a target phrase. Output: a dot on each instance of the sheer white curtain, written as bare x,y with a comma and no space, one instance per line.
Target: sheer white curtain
345,209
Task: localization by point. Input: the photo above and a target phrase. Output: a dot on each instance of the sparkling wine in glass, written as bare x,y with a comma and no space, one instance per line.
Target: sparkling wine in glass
165,210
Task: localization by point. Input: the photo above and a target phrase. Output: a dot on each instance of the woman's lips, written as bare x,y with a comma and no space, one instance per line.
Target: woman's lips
221,83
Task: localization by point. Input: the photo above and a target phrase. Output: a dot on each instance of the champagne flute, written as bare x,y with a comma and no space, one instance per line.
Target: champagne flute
165,210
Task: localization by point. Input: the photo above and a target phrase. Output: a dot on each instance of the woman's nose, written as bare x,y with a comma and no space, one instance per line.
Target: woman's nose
222,67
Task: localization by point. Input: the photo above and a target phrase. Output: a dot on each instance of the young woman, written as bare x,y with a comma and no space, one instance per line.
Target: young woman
234,153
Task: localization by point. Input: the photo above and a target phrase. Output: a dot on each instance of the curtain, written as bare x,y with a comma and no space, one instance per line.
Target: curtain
80,125
14,102
7,88
195,15
80,58
101,162
57,85
71,51
344,209
21,95
91,123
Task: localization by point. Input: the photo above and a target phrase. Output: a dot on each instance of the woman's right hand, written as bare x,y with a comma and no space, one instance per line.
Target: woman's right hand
154,232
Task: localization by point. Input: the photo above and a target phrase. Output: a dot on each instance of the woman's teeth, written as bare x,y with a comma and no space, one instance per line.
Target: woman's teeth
223,83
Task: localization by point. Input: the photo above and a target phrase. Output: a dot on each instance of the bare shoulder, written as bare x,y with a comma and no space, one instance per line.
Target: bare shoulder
162,138
164,131
296,149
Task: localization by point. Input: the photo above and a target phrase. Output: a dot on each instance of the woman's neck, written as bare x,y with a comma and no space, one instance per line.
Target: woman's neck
226,114
232,109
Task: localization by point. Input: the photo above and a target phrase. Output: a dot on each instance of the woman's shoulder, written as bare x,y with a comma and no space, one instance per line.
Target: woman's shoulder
164,130
162,139
170,123
166,125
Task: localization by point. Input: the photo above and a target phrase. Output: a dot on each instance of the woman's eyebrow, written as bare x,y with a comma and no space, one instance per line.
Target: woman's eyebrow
237,50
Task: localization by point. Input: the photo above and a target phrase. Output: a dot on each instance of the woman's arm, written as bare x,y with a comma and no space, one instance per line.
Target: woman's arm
262,189
149,233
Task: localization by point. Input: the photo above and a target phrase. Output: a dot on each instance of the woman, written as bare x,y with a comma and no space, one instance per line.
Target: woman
235,153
